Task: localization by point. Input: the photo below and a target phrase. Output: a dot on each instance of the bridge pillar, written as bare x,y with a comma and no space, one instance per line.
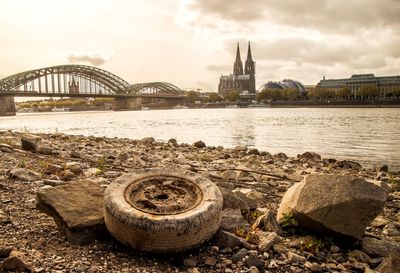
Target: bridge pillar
127,103
7,106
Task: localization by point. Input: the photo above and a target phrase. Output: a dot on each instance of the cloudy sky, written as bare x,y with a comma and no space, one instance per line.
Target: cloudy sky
192,42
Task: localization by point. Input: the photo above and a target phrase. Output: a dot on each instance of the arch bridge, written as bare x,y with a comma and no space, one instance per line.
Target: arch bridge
83,81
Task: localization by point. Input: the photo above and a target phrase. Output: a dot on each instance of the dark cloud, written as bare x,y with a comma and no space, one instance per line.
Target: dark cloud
329,15
93,59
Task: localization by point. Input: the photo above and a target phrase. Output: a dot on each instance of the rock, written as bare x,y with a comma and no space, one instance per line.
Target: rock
5,148
253,152
74,167
214,249
5,251
233,201
199,144
310,156
4,219
24,174
254,260
210,261
382,248
67,175
240,148
279,248
392,229
240,255
193,270
295,258
148,140
341,206
233,220
384,168
75,154
54,183
229,175
359,256
379,222
255,195
123,156
390,264
172,142
77,209
253,269
225,239
14,264
30,142
44,149
191,261
3,187
251,203
267,240
314,267
334,249
281,156
53,168
347,164
268,222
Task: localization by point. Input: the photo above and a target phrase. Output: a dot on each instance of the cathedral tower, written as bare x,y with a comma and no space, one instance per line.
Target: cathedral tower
250,69
238,66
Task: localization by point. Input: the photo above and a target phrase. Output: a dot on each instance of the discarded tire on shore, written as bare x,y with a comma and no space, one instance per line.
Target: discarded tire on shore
162,210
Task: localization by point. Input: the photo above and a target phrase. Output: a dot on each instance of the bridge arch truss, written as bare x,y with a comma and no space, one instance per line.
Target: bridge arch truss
65,79
80,80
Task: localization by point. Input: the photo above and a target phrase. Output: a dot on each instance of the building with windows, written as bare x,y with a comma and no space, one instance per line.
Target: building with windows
386,84
242,81
284,84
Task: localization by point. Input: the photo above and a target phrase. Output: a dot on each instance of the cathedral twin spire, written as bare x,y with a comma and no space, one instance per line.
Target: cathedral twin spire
249,65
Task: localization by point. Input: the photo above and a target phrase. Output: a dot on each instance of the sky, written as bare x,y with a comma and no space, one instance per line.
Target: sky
191,43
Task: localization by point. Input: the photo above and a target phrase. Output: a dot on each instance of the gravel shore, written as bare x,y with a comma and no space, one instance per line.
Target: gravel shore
34,238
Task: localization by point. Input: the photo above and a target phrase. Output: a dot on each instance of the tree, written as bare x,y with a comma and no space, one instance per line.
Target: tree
321,93
344,93
369,91
213,96
291,94
192,96
270,94
233,96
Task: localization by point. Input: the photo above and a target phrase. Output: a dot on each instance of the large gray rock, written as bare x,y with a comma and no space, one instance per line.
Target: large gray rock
379,247
77,209
390,264
24,174
232,220
333,204
30,142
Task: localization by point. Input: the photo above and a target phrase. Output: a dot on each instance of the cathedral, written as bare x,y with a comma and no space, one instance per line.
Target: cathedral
239,81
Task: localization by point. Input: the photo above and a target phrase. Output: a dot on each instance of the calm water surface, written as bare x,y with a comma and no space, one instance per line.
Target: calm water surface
370,136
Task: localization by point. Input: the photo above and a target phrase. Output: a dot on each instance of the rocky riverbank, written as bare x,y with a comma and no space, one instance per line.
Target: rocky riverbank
253,183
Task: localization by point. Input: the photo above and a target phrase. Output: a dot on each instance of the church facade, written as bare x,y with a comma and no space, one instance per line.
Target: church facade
242,81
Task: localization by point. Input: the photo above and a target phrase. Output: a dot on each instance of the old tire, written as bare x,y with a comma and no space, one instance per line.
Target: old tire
145,210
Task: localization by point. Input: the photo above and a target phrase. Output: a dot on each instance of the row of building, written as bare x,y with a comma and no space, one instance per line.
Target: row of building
244,81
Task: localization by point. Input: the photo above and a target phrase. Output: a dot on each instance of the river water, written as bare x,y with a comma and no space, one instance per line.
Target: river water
370,136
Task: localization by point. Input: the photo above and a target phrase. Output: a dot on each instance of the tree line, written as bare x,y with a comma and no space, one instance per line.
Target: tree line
317,93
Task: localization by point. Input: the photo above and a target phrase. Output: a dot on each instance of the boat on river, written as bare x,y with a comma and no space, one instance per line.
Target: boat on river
180,107
259,105
60,109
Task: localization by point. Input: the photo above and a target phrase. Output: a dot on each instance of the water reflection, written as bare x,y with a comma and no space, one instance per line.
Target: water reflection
366,135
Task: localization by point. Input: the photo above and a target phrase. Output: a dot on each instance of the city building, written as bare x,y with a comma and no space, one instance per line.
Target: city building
284,84
385,84
242,81
73,86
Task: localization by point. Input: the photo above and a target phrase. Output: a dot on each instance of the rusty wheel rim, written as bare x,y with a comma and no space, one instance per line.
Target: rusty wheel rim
163,195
